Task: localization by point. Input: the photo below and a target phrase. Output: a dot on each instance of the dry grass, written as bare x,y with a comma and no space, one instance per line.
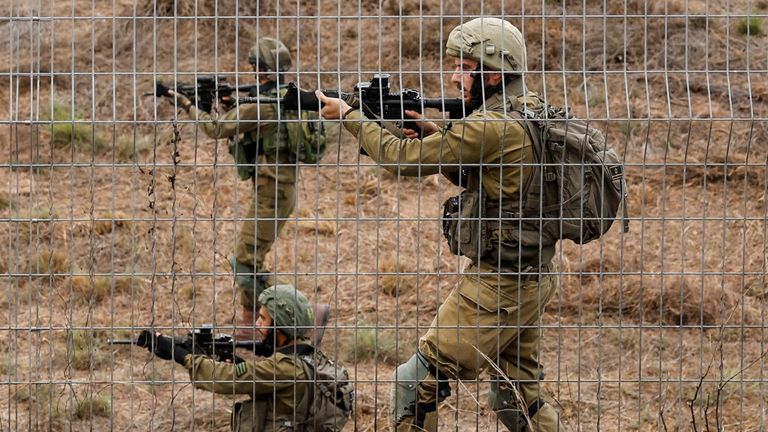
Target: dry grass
637,314
90,406
5,200
49,262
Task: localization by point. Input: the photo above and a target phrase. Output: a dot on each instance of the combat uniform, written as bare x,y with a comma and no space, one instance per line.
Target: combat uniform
495,310
273,197
277,385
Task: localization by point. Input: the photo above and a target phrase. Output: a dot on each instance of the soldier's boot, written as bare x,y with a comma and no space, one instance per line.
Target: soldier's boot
250,286
322,312
538,416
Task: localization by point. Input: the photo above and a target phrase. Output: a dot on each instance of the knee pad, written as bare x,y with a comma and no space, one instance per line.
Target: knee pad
406,380
503,402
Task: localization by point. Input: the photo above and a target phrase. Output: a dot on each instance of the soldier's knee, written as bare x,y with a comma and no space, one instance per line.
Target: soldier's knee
405,404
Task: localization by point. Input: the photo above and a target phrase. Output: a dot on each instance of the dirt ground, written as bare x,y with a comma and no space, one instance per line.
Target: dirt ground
661,328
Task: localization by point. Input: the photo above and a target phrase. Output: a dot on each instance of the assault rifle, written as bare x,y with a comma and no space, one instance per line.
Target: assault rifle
203,340
222,347
373,98
207,89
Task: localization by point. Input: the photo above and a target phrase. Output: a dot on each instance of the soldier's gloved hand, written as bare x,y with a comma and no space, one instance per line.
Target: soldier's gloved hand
163,347
178,99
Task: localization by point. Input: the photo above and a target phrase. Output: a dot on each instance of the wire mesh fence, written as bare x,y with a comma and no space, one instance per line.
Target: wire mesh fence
122,212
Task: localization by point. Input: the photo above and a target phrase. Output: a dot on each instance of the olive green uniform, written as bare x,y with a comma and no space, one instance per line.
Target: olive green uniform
274,187
276,384
490,313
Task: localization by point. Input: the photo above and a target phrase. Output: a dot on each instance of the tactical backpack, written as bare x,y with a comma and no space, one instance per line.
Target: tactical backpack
578,183
330,399
574,192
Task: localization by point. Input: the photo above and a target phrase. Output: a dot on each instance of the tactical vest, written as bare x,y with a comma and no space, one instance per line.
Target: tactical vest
300,136
573,190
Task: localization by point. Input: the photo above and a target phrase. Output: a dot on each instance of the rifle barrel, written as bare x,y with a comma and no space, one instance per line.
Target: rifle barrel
121,342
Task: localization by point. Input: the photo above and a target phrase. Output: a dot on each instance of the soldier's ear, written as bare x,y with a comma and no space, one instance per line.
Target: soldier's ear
493,78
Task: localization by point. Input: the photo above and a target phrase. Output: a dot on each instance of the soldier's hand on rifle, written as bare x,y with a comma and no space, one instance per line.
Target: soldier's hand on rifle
333,109
427,127
178,99
163,347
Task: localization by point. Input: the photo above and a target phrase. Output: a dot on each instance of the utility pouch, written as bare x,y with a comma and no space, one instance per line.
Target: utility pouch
464,227
245,151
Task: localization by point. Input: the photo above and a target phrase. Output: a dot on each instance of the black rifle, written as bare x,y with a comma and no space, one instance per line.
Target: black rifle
206,91
222,346
203,340
373,97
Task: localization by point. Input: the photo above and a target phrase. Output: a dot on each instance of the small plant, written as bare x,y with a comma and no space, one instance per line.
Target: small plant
127,148
86,352
750,26
373,344
49,261
98,288
92,406
68,128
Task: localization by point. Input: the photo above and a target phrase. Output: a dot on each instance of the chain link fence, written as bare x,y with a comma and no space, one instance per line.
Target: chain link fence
120,214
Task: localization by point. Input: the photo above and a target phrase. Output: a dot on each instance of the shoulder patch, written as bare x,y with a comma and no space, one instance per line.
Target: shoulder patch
240,369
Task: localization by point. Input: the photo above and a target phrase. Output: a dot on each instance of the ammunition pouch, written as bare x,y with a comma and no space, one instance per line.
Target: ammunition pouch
244,149
464,226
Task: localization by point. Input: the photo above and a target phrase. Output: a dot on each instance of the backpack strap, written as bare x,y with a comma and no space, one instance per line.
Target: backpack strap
299,349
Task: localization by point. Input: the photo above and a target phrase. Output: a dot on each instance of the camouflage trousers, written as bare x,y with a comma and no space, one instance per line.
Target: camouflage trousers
491,318
273,200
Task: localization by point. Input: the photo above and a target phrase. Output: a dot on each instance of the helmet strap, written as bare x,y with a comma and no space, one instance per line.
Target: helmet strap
480,89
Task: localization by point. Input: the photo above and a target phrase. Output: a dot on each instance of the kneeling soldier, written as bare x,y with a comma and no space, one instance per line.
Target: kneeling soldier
296,388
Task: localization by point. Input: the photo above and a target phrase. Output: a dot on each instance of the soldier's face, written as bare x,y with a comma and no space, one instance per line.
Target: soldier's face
462,77
263,322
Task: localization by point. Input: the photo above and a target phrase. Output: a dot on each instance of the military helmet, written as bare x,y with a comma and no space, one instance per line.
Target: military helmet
270,54
493,42
290,310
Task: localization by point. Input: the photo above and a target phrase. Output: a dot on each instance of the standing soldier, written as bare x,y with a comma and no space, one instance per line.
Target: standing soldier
296,388
267,143
494,312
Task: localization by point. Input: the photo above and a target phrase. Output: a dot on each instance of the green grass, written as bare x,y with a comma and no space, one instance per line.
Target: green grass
750,26
373,344
68,129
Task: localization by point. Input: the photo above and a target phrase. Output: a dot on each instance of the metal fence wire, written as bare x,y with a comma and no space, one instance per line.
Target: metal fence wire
122,213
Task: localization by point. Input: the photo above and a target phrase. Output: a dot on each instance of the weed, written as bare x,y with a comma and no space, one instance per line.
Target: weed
68,128
48,262
373,344
92,406
98,288
86,352
750,26
127,148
